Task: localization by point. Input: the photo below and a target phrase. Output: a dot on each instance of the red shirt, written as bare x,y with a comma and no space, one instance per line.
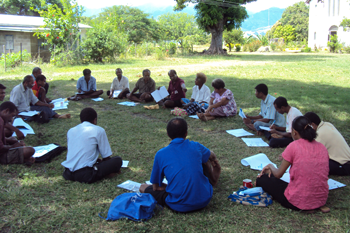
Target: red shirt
308,187
36,89
175,89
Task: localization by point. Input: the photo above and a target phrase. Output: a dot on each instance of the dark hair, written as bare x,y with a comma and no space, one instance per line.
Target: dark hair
146,70
8,105
177,128
281,101
118,69
86,72
36,70
2,86
40,78
27,78
303,126
202,77
171,71
262,88
313,117
88,114
218,83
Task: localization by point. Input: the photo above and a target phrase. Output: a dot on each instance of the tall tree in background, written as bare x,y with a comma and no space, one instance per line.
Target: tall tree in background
297,16
26,7
215,18
235,36
136,23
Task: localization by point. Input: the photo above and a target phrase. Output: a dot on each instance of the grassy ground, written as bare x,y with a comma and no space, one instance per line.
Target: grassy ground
38,199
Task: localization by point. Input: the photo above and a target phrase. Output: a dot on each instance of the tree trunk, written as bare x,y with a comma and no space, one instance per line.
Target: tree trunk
216,38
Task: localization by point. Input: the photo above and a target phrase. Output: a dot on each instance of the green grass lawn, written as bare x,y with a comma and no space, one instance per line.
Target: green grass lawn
38,199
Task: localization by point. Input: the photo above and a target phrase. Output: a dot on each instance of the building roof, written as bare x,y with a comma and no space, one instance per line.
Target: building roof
24,23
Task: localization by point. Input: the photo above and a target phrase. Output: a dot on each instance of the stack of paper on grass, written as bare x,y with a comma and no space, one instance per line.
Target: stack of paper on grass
60,104
22,126
257,162
241,113
255,142
98,99
239,132
130,104
116,93
130,185
42,150
333,184
125,163
160,94
29,113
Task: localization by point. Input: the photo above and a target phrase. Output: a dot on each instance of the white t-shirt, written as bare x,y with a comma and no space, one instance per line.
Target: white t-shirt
200,95
292,114
85,142
116,85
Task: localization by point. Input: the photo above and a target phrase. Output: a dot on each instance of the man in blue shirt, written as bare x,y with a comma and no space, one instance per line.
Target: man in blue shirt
86,87
190,168
268,114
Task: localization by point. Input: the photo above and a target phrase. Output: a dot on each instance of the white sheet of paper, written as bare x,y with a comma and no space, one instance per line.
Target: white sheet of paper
130,185
98,99
41,150
160,94
257,162
239,132
265,128
60,105
58,100
194,116
19,122
29,113
333,184
165,181
130,104
125,163
241,113
255,142
116,93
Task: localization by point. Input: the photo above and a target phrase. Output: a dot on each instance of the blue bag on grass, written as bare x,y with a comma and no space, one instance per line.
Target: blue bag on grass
254,196
133,206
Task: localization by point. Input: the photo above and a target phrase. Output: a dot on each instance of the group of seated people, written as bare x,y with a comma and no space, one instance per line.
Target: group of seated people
315,149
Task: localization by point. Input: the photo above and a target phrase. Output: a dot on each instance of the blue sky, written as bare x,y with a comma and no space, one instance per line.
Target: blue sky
257,6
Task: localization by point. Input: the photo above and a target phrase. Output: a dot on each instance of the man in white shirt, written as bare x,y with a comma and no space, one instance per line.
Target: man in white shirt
120,84
282,136
338,148
200,92
85,142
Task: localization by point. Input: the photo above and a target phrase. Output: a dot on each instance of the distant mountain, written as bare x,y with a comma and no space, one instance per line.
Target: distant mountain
256,23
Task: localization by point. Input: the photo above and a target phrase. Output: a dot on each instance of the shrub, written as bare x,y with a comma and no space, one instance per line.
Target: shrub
172,49
346,49
254,46
306,50
245,48
273,46
238,47
14,59
334,44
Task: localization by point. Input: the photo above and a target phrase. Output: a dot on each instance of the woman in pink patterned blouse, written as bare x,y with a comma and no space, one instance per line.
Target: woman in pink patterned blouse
222,103
308,187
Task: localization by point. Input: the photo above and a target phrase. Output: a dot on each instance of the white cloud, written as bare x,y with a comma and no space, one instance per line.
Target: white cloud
93,4
261,5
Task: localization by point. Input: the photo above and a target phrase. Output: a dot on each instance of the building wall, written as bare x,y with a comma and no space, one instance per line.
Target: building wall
323,17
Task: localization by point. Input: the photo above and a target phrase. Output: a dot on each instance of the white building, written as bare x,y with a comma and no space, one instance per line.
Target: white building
324,20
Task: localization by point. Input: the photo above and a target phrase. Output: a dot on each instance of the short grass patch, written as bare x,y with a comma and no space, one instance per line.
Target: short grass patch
38,199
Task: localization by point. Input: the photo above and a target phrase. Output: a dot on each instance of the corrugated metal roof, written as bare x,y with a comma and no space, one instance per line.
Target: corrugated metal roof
26,22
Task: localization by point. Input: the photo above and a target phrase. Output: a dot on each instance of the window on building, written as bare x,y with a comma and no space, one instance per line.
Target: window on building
314,35
9,42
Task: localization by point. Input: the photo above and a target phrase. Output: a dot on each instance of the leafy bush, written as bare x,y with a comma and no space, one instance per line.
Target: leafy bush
160,53
65,58
246,48
14,59
172,49
238,47
334,44
306,50
273,46
346,49
263,40
254,45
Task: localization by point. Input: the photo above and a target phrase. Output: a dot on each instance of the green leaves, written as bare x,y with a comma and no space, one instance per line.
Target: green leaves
286,32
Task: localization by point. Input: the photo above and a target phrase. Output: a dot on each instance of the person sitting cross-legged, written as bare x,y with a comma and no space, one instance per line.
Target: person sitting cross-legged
308,186
12,151
86,87
338,148
39,89
145,86
222,103
120,83
23,97
190,168
35,73
268,114
85,142
282,136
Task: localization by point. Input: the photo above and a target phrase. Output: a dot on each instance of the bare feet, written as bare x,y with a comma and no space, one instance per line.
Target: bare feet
143,188
201,116
64,116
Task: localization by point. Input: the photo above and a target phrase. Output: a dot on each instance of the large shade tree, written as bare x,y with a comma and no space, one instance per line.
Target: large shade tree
26,7
215,16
